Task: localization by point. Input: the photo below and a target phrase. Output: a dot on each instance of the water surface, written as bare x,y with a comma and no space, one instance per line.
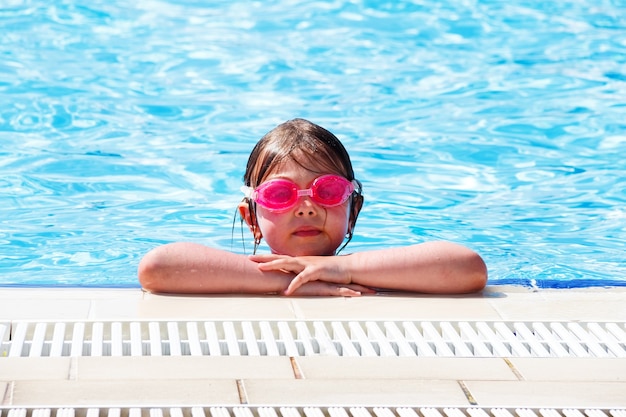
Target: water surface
499,125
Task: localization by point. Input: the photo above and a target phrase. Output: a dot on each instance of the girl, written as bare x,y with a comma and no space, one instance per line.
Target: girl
302,198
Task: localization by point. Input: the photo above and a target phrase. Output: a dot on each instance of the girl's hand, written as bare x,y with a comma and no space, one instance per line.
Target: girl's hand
328,269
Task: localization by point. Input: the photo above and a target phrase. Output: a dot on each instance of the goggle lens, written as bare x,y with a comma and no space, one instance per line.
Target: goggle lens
279,194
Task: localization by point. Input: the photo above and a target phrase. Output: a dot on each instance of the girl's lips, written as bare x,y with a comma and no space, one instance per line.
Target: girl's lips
307,232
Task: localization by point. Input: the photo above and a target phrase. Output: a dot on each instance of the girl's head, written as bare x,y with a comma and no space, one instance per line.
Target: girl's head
301,151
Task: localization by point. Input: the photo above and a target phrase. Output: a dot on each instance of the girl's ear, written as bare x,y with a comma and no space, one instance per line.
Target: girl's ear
249,217
244,212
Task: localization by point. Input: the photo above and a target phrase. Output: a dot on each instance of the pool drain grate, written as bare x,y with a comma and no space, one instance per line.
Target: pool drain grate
306,338
309,412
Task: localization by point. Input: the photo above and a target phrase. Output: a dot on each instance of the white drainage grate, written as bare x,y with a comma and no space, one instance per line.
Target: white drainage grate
305,338
310,412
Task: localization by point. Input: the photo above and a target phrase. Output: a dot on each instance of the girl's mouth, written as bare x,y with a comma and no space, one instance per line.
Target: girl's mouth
307,232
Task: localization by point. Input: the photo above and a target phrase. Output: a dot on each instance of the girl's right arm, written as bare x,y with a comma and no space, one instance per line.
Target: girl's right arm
190,268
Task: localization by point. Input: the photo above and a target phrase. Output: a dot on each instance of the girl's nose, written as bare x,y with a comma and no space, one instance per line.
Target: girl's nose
306,207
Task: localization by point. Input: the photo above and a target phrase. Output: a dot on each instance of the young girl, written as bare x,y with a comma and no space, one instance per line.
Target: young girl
302,198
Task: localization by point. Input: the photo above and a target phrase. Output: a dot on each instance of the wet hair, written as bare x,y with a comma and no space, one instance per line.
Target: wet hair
310,146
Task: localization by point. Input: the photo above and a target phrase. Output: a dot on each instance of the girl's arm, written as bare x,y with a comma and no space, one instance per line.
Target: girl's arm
432,267
189,268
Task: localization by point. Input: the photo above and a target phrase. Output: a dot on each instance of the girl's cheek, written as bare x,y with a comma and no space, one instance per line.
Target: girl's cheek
268,222
269,217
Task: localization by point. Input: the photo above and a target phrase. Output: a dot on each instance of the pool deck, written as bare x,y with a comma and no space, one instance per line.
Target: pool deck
321,380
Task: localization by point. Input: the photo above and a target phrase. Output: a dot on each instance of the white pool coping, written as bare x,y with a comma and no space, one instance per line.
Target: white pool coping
185,381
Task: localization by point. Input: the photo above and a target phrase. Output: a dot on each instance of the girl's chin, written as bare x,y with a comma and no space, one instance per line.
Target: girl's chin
300,251
305,246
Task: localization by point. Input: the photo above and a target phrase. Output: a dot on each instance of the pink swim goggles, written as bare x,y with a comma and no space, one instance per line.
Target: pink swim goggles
282,195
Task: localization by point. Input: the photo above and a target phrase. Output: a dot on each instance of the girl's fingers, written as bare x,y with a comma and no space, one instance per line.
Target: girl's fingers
295,283
281,265
271,264
308,270
326,289
265,258
361,289
347,292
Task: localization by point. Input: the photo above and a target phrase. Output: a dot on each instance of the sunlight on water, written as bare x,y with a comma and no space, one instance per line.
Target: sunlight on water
499,125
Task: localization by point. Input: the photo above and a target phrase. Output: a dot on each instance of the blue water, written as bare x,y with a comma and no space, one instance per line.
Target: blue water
499,125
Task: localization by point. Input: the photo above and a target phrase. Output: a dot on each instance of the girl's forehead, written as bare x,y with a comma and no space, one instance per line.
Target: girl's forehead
289,167
296,171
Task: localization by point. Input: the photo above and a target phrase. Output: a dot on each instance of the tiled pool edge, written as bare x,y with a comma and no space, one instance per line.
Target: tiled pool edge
494,303
454,389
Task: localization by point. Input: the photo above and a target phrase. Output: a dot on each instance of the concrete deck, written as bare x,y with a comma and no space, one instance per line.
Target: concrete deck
205,380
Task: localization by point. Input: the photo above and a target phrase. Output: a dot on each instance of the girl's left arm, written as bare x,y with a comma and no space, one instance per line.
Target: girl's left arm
432,267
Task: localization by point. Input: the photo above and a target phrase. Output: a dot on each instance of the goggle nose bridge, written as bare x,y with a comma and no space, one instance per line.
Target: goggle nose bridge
308,192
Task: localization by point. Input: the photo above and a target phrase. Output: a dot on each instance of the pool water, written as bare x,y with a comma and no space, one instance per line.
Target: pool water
499,125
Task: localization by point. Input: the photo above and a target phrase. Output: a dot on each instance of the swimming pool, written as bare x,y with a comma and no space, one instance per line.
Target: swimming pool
499,125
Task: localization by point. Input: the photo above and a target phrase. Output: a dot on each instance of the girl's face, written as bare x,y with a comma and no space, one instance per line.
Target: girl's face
306,229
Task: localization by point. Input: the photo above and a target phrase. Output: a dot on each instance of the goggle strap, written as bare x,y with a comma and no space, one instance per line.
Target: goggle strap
248,192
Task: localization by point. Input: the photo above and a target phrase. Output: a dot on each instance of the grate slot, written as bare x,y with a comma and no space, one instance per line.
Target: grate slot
57,340
450,333
241,412
573,413
511,339
250,339
291,349
337,412
361,339
18,340
213,340
155,339
174,339
406,412
554,344
313,412
430,412
36,346
608,340
453,412
395,334
195,348
501,412
97,339
136,345
385,348
536,346
430,333
360,412
478,344
570,340
477,412
347,346
589,339
117,347
324,341
232,341
268,340
423,348
302,333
